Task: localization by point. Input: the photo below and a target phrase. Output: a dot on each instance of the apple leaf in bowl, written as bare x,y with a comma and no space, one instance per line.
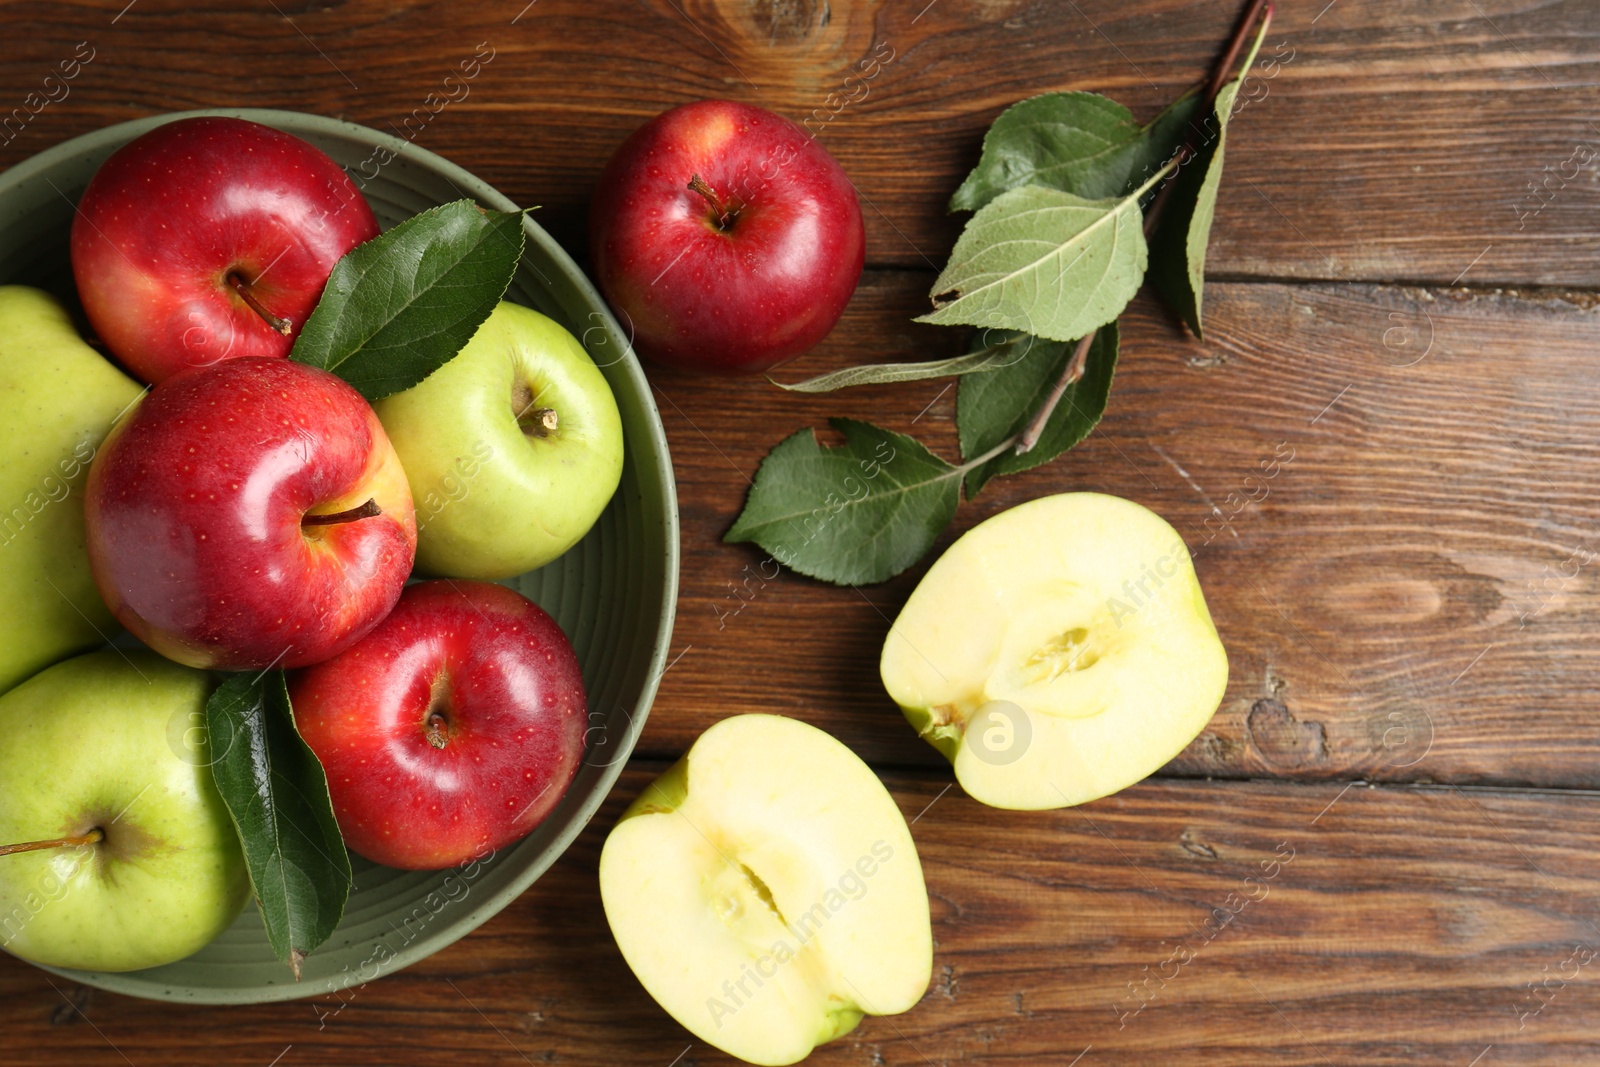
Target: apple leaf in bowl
400,306
277,796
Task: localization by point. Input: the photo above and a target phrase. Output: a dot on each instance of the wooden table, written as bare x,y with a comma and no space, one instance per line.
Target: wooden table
1403,282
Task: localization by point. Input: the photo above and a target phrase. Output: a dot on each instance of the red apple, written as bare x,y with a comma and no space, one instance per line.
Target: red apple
249,514
209,239
453,728
726,237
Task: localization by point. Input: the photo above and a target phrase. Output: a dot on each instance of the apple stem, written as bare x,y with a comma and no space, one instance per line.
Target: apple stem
242,287
92,837
725,214
1073,371
540,422
364,511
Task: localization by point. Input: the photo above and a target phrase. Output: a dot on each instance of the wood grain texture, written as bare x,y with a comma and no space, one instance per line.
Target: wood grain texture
1410,599
1406,598
1382,142
1381,925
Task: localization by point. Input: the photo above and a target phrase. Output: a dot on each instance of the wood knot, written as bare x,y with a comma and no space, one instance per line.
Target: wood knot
1194,846
790,20
1284,740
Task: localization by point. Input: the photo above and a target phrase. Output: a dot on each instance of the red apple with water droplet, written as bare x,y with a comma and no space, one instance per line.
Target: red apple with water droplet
451,730
210,238
249,515
726,238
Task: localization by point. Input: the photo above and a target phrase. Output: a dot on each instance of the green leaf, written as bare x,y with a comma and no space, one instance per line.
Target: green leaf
277,795
1182,234
400,306
1080,143
1044,262
983,359
1166,133
859,513
993,407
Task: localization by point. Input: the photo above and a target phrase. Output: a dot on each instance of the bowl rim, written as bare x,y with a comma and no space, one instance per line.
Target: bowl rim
470,186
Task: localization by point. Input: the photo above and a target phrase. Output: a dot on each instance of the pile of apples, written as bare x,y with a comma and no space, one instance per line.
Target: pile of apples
250,512
240,511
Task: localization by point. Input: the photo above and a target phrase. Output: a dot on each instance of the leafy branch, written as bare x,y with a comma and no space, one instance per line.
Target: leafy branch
1075,205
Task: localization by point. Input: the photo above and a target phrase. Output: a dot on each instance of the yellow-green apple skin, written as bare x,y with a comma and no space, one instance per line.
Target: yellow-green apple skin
58,398
513,448
113,741
1058,652
767,893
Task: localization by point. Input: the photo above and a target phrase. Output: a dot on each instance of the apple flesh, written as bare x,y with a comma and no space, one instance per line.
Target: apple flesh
249,515
451,730
767,893
99,754
1058,652
727,238
58,397
512,449
208,239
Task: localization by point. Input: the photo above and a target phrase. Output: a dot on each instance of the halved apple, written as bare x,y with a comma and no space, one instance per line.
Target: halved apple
1058,652
767,893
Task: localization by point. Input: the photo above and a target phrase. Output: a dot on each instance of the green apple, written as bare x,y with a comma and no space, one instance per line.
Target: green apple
767,893
1058,652
513,448
58,397
134,862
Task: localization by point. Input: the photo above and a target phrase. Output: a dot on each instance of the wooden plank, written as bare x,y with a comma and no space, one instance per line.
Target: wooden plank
1392,142
1408,597
1361,925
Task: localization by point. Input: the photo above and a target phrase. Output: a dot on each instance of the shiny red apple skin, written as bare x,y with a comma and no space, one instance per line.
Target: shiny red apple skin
171,213
505,683
193,512
732,301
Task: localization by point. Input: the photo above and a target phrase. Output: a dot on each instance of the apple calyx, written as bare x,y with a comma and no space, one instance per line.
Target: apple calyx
93,837
726,214
242,287
436,728
369,510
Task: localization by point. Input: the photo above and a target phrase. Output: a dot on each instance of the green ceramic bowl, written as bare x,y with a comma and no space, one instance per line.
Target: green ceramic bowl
613,594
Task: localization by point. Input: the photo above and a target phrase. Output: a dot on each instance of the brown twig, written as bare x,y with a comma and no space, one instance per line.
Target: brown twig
1073,371
1224,66
1214,84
